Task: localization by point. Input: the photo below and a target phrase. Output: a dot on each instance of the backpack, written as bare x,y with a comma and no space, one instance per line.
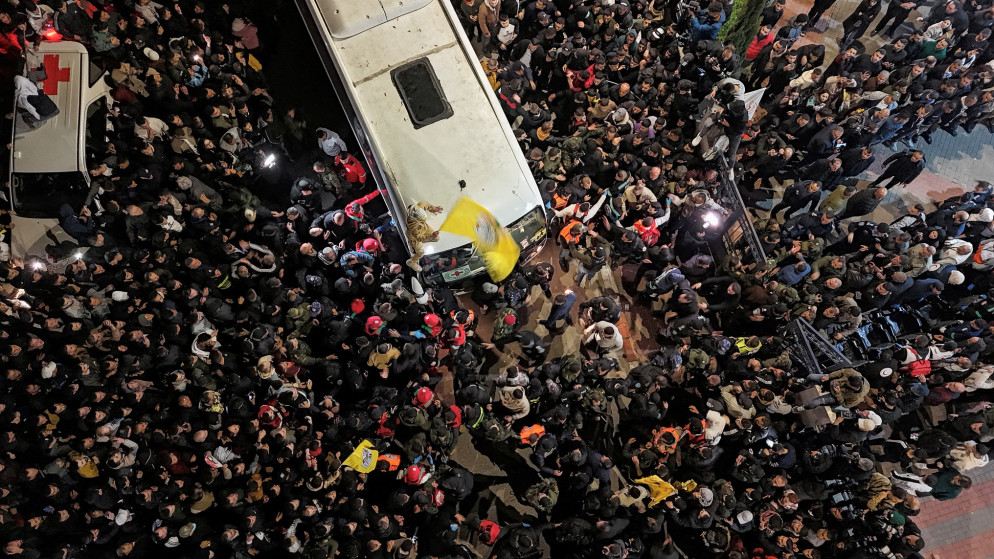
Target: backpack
44,105
667,280
493,430
697,359
919,368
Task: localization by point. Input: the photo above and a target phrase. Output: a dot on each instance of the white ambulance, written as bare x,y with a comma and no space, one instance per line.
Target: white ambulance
48,158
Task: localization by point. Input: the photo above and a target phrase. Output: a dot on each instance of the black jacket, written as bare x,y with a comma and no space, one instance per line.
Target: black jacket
901,167
822,143
853,163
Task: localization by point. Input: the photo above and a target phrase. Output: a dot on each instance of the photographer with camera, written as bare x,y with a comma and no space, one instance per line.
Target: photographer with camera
704,25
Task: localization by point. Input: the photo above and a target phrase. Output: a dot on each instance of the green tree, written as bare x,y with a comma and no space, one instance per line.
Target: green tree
742,24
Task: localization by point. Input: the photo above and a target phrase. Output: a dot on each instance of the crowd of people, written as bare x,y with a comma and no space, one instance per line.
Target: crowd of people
614,103
223,370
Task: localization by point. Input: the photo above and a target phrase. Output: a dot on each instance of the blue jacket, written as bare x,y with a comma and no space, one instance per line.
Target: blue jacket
888,129
704,28
72,225
199,75
668,279
365,259
561,312
921,289
962,331
788,275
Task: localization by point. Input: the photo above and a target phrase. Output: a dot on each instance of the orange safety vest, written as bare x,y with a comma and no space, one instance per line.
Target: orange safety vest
658,441
469,319
392,460
559,202
530,430
567,235
460,338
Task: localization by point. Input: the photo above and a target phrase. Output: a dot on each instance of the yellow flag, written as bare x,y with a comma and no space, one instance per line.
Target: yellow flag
254,63
363,459
659,490
499,251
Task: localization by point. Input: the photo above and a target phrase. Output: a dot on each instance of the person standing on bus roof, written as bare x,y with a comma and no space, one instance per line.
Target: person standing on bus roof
418,231
330,142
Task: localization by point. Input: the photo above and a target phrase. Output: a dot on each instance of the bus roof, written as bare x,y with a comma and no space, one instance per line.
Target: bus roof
474,144
351,17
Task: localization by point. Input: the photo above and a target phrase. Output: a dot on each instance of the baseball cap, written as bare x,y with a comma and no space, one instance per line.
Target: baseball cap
316,309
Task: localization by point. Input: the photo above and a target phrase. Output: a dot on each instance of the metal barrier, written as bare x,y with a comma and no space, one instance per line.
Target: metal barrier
812,350
739,236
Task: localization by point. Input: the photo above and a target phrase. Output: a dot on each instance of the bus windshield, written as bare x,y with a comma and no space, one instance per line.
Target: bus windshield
460,263
529,231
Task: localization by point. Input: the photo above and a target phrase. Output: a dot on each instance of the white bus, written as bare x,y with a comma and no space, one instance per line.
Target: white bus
427,120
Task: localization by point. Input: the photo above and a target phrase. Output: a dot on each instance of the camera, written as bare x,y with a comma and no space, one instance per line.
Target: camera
843,497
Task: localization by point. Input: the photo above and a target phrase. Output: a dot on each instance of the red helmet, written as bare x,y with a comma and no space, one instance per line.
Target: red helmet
438,498
414,475
489,531
369,246
357,306
431,319
423,396
373,325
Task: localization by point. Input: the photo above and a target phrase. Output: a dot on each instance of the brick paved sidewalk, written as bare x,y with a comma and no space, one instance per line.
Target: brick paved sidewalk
962,528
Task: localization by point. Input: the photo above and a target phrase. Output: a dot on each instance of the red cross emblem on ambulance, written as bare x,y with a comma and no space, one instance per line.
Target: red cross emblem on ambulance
54,74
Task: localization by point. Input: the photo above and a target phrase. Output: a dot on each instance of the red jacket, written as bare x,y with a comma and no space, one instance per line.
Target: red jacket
277,416
576,81
351,169
757,45
9,44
